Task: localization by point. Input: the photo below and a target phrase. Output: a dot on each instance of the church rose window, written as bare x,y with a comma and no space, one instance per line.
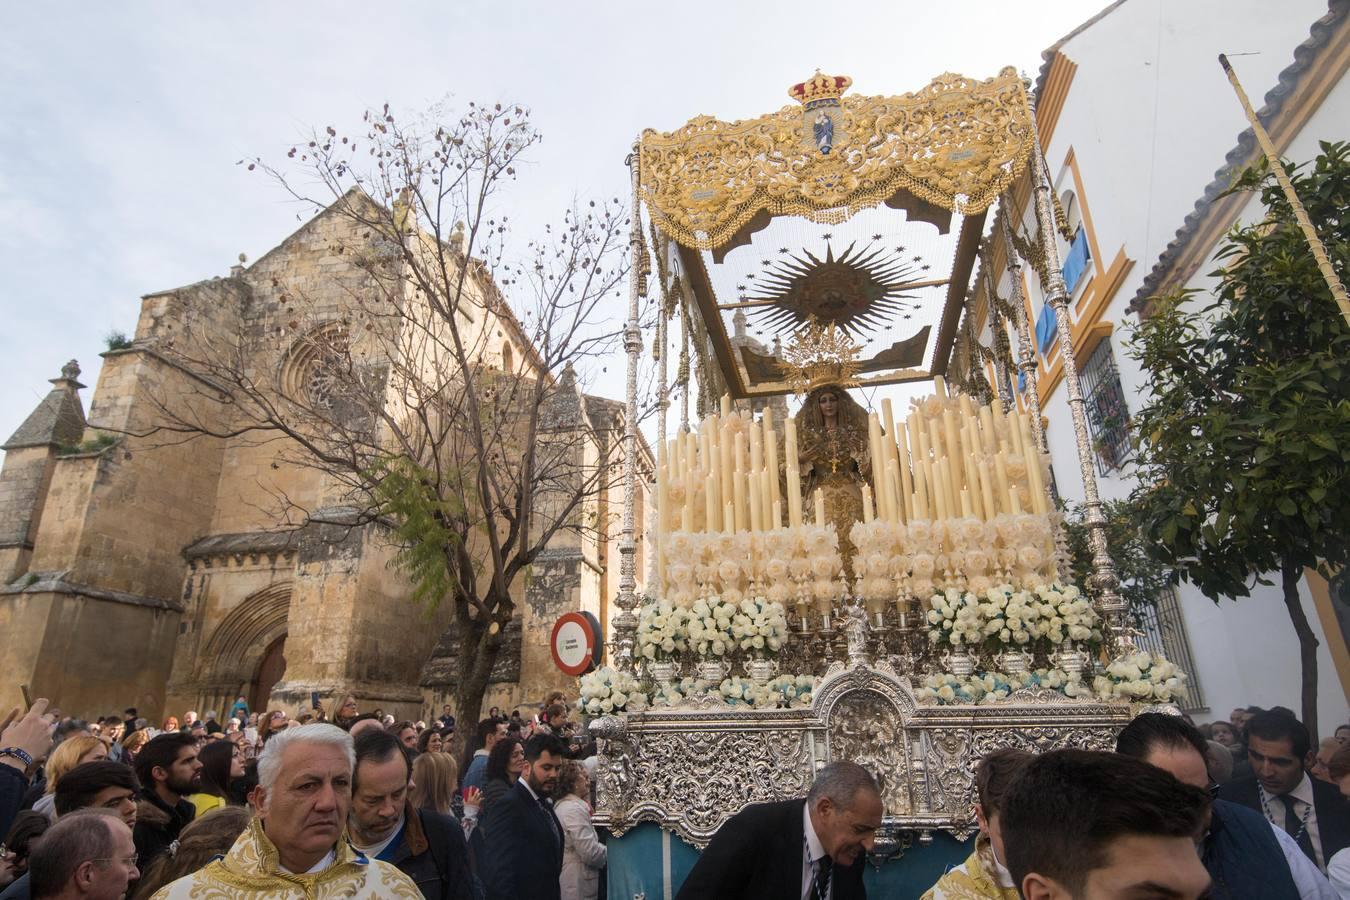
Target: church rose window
312,371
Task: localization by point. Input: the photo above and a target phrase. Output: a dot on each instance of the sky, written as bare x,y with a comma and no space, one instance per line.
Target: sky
123,124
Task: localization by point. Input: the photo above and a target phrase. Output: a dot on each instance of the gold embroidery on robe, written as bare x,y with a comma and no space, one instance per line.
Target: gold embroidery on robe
251,870
975,879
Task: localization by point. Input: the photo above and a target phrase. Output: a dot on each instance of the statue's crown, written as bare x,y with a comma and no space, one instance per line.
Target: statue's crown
820,353
820,87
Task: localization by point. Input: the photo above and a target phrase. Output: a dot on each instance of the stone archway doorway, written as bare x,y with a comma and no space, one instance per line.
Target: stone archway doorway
271,669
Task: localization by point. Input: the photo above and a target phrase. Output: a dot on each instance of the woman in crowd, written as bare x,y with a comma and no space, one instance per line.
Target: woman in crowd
273,722
583,854
504,765
430,741
222,762
71,752
347,713
205,838
28,826
124,751
435,778
170,725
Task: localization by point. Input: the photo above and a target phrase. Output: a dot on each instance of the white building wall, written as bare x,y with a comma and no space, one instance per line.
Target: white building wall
1149,118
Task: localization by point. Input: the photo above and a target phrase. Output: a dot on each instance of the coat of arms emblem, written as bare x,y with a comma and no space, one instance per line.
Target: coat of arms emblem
822,113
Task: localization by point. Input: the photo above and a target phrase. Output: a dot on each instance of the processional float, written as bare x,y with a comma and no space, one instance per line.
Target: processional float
891,586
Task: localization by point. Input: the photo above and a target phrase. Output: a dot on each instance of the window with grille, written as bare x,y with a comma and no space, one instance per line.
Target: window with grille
1107,414
1164,631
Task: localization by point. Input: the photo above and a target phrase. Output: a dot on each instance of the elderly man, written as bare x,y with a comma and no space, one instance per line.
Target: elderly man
86,854
295,847
797,848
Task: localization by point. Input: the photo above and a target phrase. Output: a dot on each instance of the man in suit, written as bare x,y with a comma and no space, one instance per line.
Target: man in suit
1248,857
1312,812
522,837
812,849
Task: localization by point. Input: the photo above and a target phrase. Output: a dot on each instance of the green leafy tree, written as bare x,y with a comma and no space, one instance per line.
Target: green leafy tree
1142,579
1244,444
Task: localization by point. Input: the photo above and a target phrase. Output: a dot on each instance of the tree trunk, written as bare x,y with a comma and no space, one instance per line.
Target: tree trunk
1307,645
478,651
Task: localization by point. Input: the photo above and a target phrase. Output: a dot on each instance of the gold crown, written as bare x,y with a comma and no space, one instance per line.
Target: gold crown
820,87
820,354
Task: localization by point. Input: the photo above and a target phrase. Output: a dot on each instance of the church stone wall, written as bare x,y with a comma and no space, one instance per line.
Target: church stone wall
23,485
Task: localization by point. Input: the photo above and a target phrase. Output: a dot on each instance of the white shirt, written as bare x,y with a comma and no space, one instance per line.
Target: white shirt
1338,872
1311,884
812,851
1274,809
374,850
319,866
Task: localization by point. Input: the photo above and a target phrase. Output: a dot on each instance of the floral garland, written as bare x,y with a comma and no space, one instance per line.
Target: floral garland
782,692
608,690
1142,677
1003,617
990,687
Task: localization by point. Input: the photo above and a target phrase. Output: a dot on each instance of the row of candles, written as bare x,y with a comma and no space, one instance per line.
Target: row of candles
950,460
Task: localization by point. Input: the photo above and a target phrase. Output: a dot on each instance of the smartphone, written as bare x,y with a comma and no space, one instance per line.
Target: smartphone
27,697
314,699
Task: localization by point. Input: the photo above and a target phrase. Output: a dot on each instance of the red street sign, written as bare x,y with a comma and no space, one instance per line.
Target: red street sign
576,643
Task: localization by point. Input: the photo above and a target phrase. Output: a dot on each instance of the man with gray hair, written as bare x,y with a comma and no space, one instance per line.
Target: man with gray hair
811,849
296,846
87,854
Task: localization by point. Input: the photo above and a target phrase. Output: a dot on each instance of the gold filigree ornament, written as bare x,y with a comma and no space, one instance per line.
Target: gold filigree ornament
820,353
957,143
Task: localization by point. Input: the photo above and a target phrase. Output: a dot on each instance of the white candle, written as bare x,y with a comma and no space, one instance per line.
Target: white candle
867,504
794,482
820,507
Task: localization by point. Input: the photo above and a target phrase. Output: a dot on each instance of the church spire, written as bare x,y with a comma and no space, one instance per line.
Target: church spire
58,419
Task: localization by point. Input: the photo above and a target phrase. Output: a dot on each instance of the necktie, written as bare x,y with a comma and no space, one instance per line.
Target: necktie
824,866
552,823
1297,827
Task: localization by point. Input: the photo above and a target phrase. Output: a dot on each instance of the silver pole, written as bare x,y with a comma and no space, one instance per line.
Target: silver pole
1103,581
625,623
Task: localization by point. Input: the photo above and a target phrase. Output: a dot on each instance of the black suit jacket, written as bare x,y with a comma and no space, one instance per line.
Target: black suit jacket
757,855
1333,813
521,853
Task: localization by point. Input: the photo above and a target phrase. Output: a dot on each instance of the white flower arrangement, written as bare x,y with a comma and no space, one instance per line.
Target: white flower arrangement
1141,678
1003,617
609,690
709,626
759,626
663,630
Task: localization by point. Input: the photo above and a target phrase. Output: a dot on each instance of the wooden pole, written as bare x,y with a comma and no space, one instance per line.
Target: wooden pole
1319,252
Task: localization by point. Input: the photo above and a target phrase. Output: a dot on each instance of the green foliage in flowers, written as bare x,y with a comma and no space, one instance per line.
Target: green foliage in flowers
1243,446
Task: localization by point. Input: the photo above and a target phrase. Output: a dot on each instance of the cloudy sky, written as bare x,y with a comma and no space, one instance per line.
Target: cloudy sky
123,123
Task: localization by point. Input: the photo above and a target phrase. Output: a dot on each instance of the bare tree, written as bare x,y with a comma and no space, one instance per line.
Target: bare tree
423,421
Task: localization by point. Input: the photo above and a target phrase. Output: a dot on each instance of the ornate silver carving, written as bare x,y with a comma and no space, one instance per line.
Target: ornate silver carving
691,768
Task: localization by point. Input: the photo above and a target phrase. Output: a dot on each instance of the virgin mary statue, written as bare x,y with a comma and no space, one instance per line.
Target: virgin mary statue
835,460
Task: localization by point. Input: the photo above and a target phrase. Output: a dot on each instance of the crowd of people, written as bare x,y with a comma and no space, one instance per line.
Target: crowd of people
345,804
363,805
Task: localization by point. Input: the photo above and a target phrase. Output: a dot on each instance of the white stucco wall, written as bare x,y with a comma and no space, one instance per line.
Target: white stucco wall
1149,118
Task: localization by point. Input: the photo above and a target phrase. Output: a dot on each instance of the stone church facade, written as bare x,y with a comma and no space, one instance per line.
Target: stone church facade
155,573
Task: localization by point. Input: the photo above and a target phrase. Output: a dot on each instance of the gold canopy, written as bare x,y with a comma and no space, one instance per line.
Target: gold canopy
957,143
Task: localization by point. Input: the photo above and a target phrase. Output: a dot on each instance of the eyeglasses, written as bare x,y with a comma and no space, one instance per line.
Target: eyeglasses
129,861
1213,788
